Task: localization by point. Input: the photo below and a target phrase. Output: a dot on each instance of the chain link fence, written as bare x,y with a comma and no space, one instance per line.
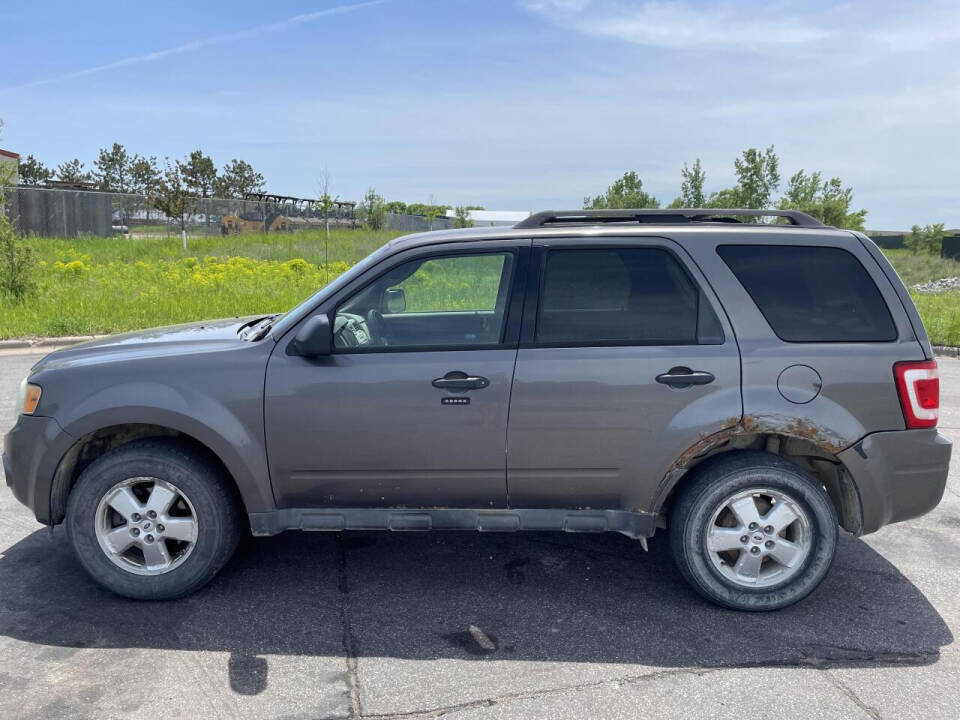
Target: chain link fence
56,212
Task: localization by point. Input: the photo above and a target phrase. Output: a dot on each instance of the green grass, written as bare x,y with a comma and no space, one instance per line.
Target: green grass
941,315
916,268
105,285
940,311
345,245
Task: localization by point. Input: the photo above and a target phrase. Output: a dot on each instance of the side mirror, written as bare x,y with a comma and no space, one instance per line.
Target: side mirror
394,301
314,338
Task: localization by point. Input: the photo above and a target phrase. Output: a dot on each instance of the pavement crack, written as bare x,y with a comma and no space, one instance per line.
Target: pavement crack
348,640
870,711
815,662
442,711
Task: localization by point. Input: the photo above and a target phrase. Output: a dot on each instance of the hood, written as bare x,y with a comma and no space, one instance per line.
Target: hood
205,336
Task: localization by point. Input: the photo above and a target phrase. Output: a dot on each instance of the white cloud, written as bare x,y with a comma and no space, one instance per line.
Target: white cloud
204,42
766,27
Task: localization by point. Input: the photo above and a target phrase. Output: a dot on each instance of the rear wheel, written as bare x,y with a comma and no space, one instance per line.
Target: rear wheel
752,531
152,520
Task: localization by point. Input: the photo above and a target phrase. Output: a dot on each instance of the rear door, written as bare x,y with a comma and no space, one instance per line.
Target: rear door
626,360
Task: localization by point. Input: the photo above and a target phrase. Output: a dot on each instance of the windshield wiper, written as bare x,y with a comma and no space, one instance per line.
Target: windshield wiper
258,329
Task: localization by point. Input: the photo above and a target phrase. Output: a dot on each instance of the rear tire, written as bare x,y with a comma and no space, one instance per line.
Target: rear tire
153,520
752,531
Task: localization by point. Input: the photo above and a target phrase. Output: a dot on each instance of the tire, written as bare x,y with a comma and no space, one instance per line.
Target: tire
708,526
150,472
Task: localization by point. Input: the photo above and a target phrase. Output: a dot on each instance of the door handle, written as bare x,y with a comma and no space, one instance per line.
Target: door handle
457,380
681,377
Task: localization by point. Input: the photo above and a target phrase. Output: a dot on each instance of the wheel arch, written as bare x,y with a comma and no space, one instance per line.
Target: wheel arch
817,458
99,434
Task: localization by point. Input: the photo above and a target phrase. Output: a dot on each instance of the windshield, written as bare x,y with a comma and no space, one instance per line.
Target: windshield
292,317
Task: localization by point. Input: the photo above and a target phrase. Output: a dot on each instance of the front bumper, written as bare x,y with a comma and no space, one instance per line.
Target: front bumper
899,475
31,453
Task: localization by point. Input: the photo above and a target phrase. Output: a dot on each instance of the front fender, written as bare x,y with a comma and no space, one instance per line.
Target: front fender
233,433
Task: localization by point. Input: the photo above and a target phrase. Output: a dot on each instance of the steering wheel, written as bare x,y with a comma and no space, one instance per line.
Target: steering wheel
376,327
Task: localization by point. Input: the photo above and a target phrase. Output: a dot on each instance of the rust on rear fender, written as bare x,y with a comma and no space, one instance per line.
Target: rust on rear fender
825,439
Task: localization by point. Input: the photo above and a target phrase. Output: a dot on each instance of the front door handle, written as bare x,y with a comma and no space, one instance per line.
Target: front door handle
457,380
681,377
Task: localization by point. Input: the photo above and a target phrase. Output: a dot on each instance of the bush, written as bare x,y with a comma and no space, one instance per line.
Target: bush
462,218
16,264
373,210
926,239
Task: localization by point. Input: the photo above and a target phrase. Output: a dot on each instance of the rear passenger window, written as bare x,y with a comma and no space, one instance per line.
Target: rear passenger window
811,294
638,296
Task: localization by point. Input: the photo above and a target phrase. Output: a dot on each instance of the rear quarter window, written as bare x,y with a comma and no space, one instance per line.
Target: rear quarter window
811,294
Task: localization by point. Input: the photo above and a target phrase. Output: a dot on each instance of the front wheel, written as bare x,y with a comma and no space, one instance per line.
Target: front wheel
752,531
152,520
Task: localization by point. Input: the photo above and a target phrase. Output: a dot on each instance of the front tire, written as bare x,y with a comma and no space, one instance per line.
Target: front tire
752,531
153,520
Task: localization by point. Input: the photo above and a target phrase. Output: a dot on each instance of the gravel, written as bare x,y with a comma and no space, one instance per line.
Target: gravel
941,285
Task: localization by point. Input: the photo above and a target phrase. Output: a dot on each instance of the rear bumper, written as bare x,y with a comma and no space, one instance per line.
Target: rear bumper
31,453
899,475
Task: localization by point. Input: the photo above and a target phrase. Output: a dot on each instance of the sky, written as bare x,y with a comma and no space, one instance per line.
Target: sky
509,104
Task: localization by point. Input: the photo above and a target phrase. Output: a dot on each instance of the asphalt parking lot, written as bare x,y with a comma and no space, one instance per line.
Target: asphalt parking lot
462,625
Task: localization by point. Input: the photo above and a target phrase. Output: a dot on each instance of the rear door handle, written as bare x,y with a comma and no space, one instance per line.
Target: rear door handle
457,380
681,377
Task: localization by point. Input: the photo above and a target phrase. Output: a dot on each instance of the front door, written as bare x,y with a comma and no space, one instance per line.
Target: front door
411,408
626,360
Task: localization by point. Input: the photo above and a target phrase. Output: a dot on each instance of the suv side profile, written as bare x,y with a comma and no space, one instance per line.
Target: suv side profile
748,386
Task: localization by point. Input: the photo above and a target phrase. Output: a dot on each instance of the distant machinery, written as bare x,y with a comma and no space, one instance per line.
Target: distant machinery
283,213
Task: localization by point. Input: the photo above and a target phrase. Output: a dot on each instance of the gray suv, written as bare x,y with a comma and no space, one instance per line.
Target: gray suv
746,385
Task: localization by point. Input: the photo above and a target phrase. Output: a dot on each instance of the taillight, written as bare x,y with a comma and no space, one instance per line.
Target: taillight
918,384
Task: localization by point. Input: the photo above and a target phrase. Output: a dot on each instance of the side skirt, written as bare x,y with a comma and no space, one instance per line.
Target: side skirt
631,524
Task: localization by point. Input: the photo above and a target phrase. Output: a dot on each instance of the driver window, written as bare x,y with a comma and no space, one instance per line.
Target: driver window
436,302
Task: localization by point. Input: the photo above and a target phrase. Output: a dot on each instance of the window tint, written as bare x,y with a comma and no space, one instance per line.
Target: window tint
811,294
436,302
630,295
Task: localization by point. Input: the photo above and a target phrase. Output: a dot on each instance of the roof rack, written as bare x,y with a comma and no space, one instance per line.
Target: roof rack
671,215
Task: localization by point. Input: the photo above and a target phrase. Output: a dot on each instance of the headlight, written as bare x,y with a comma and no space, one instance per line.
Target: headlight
28,398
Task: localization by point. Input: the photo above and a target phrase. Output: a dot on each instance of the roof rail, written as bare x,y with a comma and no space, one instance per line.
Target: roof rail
670,215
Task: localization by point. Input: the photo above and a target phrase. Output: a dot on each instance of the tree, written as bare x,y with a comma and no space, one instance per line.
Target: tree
325,205
926,239
113,169
691,189
432,211
144,176
172,196
826,200
236,179
73,172
462,217
626,192
34,172
758,177
397,207
726,198
427,209
199,174
373,210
